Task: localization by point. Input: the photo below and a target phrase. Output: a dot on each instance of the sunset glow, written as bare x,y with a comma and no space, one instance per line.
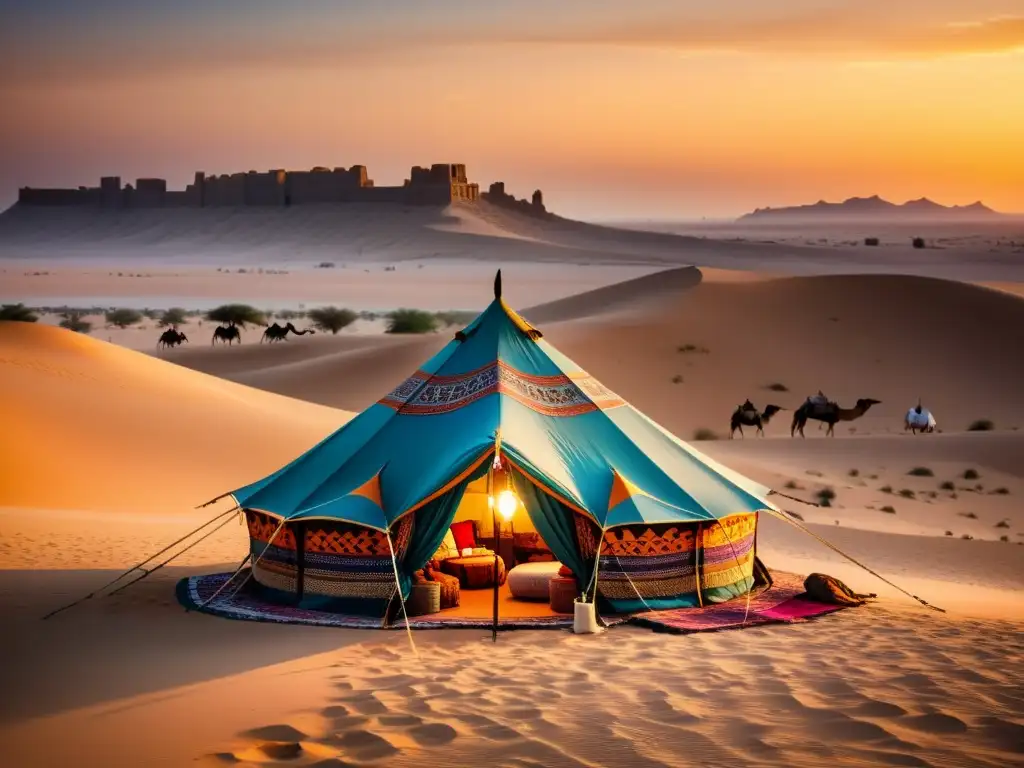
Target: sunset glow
650,109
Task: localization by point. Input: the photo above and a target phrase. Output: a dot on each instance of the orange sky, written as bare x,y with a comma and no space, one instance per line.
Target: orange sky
662,110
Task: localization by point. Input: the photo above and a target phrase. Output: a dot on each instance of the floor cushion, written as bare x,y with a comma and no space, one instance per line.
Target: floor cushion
530,580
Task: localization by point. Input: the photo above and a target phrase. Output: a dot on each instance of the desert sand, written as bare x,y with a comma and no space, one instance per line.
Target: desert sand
107,451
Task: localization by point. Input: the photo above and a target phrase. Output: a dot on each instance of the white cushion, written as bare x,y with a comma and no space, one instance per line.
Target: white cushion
530,580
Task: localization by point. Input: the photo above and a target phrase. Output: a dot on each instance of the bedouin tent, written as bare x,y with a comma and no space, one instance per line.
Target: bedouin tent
368,506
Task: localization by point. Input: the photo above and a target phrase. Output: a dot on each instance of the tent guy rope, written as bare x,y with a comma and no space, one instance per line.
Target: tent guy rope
836,549
139,566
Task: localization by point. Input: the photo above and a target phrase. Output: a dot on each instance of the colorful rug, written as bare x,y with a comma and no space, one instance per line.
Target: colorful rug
781,603
784,601
247,606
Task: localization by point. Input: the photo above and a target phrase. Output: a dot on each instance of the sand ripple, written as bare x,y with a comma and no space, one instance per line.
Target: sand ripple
864,687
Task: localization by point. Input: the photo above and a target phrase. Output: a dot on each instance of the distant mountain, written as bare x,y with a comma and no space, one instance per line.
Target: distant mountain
874,208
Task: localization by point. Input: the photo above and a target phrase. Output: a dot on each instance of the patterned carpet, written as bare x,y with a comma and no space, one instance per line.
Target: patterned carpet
780,603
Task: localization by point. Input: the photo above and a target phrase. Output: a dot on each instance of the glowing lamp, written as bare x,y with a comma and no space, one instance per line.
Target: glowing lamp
507,504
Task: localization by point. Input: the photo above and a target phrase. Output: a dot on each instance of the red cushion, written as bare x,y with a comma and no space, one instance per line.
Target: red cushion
564,572
464,534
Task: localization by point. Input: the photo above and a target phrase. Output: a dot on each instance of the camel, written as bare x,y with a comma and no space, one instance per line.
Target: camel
226,334
746,415
172,337
276,332
830,414
919,420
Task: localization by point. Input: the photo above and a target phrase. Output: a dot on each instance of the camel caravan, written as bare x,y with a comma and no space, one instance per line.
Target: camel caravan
826,412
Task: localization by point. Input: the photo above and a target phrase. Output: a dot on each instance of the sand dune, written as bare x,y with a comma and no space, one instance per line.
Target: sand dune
92,426
890,338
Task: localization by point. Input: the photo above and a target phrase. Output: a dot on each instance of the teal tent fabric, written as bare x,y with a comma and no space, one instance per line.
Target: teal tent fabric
558,424
554,522
430,525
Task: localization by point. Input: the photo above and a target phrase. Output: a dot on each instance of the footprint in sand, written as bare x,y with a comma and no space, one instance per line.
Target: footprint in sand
399,721
433,734
362,745
274,733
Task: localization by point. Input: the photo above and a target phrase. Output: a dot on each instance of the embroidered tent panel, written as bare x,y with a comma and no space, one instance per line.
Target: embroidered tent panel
424,395
640,540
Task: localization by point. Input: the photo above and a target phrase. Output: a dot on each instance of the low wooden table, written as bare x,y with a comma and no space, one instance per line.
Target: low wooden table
474,572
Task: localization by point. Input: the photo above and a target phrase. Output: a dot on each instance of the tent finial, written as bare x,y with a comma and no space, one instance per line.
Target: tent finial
497,285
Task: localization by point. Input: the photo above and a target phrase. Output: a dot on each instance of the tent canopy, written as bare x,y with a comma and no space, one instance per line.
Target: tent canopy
561,428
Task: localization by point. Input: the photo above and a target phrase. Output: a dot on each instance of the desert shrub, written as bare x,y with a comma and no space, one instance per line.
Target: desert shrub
921,472
886,489
825,497
1004,538
949,533
411,321
947,486
151,314
236,314
967,537
687,348
968,515
677,379
325,265
853,472
332,319
1001,491
970,474
871,241
890,509
173,317
704,434
1003,524
907,493
777,387
18,313
123,317
918,242
289,314
793,485
981,425
74,322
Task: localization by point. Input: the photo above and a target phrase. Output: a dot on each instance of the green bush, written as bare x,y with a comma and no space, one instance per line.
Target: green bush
332,319
123,317
981,425
970,474
74,322
173,317
825,497
236,314
704,434
921,472
18,313
890,509
411,321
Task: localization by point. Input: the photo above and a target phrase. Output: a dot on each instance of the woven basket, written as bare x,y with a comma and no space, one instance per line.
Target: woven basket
424,598
562,594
